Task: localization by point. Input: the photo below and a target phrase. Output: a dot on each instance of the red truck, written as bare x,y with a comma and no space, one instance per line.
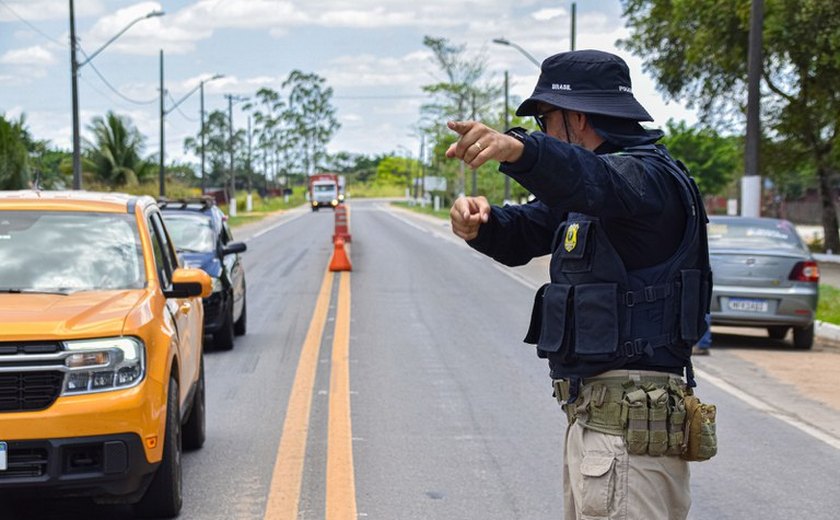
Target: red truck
326,190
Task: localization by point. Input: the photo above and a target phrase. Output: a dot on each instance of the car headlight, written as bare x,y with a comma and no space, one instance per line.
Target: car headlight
217,284
100,365
334,202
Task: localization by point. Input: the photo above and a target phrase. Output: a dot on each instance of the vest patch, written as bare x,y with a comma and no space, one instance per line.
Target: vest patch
571,237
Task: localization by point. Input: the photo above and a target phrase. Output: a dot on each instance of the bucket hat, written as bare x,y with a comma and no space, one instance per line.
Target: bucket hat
588,81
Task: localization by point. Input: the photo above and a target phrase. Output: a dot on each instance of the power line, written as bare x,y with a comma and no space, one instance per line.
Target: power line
22,19
185,116
112,88
395,96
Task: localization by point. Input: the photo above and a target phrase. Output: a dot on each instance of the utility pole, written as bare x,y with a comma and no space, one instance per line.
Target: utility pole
248,166
507,127
230,149
474,190
574,26
751,181
203,176
74,87
162,173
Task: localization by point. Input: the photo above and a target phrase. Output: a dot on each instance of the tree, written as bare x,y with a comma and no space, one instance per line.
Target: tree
699,55
14,167
711,158
311,116
114,154
464,93
216,137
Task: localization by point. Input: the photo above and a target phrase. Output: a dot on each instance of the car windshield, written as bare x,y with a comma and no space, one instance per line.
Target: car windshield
752,234
324,187
57,251
190,232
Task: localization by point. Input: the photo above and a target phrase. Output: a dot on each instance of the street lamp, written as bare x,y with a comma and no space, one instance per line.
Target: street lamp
74,73
503,41
164,111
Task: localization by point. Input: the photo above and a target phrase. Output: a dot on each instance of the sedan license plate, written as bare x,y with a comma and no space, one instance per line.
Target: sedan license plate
740,304
4,449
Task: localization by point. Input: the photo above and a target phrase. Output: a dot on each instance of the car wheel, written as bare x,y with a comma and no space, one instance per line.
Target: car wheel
803,338
241,325
163,498
777,332
194,431
223,338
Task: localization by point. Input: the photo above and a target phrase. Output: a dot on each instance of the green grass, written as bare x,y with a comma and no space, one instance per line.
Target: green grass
428,210
828,309
263,207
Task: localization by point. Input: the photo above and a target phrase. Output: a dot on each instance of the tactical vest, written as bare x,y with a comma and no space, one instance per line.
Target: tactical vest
596,316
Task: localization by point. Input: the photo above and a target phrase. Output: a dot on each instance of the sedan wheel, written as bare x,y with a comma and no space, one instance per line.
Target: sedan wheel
803,338
223,338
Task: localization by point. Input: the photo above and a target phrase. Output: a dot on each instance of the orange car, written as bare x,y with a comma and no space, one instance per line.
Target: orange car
101,331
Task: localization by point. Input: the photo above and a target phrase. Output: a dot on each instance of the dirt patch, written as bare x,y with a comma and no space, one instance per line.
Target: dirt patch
813,373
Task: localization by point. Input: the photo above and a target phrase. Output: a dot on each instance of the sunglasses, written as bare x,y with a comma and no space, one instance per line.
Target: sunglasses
540,118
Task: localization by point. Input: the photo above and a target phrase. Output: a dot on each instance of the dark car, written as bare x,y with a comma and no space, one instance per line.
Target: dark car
203,239
764,276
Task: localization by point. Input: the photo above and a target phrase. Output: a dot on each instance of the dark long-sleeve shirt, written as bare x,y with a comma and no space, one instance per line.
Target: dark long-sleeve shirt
637,201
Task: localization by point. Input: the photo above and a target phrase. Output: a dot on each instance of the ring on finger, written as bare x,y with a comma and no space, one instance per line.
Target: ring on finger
478,145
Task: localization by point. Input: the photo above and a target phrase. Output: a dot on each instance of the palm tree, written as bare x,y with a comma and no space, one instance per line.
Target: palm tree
14,168
114,155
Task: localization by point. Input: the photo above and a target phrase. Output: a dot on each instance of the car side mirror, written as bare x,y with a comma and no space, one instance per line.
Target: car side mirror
187,283
234,247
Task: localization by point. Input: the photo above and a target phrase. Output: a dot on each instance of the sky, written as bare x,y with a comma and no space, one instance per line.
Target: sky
369,51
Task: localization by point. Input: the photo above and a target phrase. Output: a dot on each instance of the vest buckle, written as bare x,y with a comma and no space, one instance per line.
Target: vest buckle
629,299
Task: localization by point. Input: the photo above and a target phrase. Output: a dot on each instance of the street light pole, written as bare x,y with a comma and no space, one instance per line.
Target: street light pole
162,174
74,84
751,181
201,133
572,34
503,41
231,98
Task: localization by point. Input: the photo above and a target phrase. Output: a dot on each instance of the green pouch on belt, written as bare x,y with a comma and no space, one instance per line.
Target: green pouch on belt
700,434
637,421
657,422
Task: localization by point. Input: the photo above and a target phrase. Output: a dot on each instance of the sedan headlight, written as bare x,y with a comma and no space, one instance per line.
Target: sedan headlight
217,284
100,365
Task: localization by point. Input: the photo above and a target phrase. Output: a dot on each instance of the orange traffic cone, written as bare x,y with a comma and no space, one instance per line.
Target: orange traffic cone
340,261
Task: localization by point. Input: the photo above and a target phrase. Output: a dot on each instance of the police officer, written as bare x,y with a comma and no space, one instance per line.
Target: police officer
630,279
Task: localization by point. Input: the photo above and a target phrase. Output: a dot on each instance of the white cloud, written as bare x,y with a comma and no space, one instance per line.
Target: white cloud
547,14
29,56
38,10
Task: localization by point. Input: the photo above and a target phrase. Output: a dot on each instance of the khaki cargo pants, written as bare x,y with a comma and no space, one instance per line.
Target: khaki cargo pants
601,480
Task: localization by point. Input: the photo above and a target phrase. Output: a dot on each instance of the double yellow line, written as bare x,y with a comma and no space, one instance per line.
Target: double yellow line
284,493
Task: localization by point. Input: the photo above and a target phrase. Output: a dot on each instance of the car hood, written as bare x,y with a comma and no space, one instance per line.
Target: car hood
56,316
208,262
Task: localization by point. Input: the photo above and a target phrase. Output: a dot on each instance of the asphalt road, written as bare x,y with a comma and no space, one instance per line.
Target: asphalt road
450,414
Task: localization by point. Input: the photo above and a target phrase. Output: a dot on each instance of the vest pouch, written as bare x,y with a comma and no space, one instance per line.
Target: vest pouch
692,310
555,308
676,424
596,321
573,248
532,337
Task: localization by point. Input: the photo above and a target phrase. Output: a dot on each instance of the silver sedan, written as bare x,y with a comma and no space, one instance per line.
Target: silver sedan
764,276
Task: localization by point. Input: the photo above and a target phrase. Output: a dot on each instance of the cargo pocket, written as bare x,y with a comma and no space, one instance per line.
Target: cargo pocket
555,306
596,321
692,309
597,487
532,337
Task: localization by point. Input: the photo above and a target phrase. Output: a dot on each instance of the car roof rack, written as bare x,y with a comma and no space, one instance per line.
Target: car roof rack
203,202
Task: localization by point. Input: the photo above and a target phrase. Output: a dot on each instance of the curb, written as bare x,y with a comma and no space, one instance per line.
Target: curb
826,330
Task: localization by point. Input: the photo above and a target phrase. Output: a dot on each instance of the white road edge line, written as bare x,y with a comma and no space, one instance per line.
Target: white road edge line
769,409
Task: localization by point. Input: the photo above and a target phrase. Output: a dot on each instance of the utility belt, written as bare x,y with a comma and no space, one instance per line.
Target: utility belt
655,413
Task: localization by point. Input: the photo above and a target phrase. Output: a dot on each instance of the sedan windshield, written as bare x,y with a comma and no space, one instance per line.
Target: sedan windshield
191,233
56,251
753,234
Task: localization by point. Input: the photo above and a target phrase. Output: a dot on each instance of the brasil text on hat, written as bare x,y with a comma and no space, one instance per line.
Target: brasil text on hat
588,81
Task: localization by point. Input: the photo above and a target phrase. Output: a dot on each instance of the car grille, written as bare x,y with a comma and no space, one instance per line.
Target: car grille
25,463
24,391
28,380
